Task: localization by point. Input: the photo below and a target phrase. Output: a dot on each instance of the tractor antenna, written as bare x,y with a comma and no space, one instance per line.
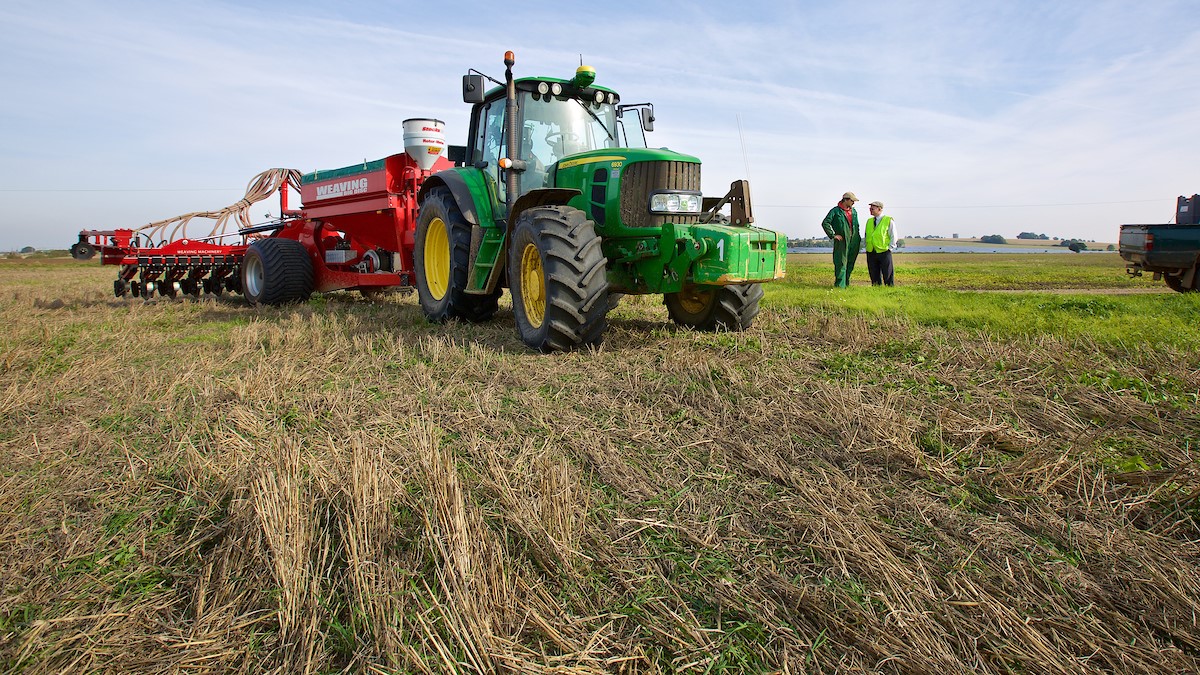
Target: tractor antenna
745,159
581,60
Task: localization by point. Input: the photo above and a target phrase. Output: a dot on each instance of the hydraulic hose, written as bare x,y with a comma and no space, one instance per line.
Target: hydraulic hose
259,188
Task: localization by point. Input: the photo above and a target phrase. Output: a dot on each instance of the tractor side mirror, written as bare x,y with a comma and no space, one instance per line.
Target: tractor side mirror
647,115
472,88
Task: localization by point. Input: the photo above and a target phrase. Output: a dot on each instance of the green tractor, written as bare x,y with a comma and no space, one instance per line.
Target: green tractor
558,198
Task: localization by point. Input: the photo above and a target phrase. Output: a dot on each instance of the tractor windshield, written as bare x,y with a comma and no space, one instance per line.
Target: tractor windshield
555,127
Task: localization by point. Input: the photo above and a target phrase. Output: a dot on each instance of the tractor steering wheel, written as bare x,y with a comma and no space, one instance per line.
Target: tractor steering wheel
556,136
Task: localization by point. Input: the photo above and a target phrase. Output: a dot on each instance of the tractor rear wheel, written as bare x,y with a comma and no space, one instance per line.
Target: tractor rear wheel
442,258
730,308
556,273
276,271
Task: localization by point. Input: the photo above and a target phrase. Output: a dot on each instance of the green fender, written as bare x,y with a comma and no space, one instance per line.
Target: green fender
471,192
541,197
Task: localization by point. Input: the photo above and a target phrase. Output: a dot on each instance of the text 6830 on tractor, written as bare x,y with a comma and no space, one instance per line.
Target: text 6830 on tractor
560,200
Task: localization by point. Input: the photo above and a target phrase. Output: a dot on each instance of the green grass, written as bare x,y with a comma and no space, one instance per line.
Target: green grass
928,293
981,271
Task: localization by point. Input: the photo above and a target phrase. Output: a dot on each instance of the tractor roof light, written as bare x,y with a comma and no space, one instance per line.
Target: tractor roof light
543,88
556,89
599,96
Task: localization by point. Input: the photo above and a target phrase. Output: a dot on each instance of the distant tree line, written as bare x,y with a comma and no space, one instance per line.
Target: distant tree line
823,242
1031,235
810,243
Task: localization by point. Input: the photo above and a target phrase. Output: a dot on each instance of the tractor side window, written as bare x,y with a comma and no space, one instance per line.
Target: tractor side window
491,143
631,126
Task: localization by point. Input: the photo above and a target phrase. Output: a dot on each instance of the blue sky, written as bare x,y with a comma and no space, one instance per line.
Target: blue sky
1066,117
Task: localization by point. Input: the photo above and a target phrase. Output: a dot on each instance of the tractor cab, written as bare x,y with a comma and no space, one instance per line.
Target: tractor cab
554,119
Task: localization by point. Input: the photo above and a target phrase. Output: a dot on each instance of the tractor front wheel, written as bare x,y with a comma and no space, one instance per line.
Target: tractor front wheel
556,273
276,271
442,258
723,308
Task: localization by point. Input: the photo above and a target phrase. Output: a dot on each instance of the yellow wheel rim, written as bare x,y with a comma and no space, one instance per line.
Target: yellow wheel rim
533,286
695,301
437,258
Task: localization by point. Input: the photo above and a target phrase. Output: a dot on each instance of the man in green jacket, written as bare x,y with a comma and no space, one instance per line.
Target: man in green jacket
880,238
841,225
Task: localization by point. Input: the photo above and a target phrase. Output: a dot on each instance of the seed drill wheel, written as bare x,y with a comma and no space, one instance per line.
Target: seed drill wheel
276,271
83,251
442,258
731,308
556,273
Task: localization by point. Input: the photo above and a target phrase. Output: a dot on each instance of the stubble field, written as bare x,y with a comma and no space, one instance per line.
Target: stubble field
937,477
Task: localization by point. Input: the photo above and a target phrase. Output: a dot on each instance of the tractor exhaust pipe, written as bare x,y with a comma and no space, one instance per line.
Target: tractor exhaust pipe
511,177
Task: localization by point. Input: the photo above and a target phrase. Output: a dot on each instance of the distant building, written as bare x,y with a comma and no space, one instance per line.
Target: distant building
954,236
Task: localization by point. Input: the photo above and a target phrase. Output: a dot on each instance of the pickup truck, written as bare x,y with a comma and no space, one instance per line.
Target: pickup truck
1171,251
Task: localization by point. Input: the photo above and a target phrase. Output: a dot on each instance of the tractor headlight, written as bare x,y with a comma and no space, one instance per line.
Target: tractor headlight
675,202
556,89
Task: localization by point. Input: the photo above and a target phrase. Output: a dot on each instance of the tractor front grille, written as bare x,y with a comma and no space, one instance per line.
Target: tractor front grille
640,179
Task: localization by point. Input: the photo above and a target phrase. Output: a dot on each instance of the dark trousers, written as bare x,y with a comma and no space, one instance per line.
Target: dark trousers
879,265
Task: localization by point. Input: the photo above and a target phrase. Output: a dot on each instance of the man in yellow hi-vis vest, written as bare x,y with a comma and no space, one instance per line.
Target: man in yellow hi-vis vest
880,238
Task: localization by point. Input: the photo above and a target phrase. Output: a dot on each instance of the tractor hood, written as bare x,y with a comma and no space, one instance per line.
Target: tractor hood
619,157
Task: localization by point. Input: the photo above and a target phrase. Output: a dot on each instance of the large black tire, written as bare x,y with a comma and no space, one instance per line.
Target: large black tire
556,273
725,308
1175,283
276,271
442,259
